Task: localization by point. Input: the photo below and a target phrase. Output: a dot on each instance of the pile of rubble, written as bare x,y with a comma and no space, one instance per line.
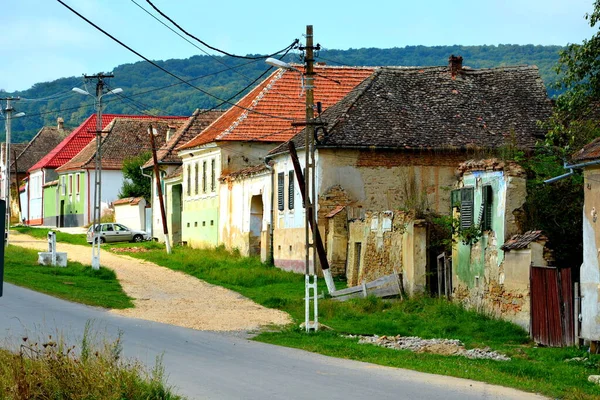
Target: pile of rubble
435,346
129,249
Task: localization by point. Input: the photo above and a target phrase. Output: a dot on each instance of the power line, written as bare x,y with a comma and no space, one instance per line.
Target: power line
214,48
167,71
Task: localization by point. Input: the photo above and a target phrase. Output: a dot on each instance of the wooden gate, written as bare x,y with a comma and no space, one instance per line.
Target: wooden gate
552,320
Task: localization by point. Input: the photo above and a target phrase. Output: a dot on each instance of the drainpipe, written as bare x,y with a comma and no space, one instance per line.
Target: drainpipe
571,168
270,255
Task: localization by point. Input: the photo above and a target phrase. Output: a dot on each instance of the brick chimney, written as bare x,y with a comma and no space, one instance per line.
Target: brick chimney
455,65
60,123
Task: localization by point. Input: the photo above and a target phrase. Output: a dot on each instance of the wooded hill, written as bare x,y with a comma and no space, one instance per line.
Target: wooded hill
146,89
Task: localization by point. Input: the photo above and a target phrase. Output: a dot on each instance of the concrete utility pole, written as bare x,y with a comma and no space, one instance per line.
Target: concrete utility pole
97,213
163,214
8,120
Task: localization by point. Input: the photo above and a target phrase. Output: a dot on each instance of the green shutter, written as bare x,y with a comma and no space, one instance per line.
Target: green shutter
487,197
280,183
466,207
291,190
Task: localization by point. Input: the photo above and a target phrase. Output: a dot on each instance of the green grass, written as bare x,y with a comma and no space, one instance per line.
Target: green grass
532,368
76,282
42,233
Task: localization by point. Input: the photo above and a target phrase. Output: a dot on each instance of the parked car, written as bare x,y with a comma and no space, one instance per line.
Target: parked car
113,232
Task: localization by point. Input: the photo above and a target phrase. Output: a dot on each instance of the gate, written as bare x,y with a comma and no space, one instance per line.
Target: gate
552,319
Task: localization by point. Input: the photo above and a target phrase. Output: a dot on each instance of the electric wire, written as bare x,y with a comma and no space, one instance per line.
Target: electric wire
214,48
187,40
165,70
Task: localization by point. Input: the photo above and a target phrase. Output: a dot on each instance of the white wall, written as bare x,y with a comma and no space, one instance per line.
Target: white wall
36,180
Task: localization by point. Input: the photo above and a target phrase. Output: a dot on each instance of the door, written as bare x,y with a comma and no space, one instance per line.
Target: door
122,233
107,232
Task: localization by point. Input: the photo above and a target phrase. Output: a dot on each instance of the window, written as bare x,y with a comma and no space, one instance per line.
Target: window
487,200
63,185
280,190
77,183
291,190
203,176
70,184
197,176
463,199
213,175
189,180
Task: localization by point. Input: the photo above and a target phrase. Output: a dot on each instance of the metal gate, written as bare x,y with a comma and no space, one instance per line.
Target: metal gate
552,321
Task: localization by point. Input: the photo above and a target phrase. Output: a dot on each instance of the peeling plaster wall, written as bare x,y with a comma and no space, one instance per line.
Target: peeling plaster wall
590,269
485,277
236,212
386,241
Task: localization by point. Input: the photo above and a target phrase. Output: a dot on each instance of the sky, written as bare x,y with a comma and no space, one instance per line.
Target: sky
42,40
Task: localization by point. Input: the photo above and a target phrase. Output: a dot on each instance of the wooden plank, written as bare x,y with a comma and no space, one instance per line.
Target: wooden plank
342,292
384,291
349,296
384,280
364,289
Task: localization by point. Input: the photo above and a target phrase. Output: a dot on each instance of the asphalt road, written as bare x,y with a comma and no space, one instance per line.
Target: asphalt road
207,365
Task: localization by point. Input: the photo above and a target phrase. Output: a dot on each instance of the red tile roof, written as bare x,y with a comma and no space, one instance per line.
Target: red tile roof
123,138
265,114
79,138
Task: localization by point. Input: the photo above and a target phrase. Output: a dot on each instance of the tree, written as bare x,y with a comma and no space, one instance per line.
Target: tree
136,184
575,119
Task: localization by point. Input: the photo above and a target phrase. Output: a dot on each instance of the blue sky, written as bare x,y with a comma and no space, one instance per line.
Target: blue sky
43,40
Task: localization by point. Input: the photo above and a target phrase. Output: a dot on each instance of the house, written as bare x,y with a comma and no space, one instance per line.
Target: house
43,173
169,164
216,213
388,156
492,258
131,212
39,146
588,159
74,189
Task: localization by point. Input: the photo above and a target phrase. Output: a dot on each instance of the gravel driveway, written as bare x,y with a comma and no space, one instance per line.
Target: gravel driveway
171,297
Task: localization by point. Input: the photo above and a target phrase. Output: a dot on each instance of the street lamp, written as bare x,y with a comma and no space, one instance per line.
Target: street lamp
98,165
8,110
312,238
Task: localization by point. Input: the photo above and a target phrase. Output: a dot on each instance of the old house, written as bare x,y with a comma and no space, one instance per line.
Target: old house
588,159
74,189
388,156
40,145
215,211
169,165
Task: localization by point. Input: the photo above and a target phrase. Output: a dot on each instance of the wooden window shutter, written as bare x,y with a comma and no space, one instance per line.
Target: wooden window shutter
213,176
188,180
455,198
466,207
291,190
487,197
204,176
280,183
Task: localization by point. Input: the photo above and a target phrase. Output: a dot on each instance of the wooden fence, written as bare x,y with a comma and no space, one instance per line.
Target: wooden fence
386,286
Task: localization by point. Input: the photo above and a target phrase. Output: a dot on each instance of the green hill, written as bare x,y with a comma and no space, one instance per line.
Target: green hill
148,89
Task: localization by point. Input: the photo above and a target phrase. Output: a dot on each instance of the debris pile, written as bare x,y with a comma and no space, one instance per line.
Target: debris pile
435,346
129,249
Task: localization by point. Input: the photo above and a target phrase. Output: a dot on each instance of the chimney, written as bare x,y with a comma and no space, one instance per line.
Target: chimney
169,133
455,65
60,123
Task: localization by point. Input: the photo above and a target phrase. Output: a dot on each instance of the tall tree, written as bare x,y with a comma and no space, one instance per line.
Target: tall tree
135,183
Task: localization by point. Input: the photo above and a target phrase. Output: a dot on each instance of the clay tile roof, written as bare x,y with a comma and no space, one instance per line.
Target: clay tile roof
427,108
589,152
128,200
195,124
40,145
522,241
246,172
177,172
81,136
123,138
265,113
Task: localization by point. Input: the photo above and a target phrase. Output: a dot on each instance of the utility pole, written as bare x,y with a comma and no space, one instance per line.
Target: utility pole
97,213
8,115
310,276
159,190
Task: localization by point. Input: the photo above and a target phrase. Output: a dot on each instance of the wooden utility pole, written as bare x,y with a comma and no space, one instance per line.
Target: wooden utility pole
163,214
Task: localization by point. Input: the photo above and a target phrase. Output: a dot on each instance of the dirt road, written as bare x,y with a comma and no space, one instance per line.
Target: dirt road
171,297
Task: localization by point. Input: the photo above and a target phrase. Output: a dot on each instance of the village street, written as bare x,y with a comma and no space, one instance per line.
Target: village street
215,365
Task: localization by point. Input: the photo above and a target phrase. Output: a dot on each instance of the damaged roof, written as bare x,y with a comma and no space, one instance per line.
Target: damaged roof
434,108
589,152
523,241
265,114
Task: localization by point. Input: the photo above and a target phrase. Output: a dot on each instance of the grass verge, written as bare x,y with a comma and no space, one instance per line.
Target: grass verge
42,233
53,370
77,282
553,372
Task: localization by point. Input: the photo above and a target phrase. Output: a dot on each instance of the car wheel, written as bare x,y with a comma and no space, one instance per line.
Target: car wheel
138,238
102,240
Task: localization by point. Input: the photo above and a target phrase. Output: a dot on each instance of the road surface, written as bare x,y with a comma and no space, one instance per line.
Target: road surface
209,365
